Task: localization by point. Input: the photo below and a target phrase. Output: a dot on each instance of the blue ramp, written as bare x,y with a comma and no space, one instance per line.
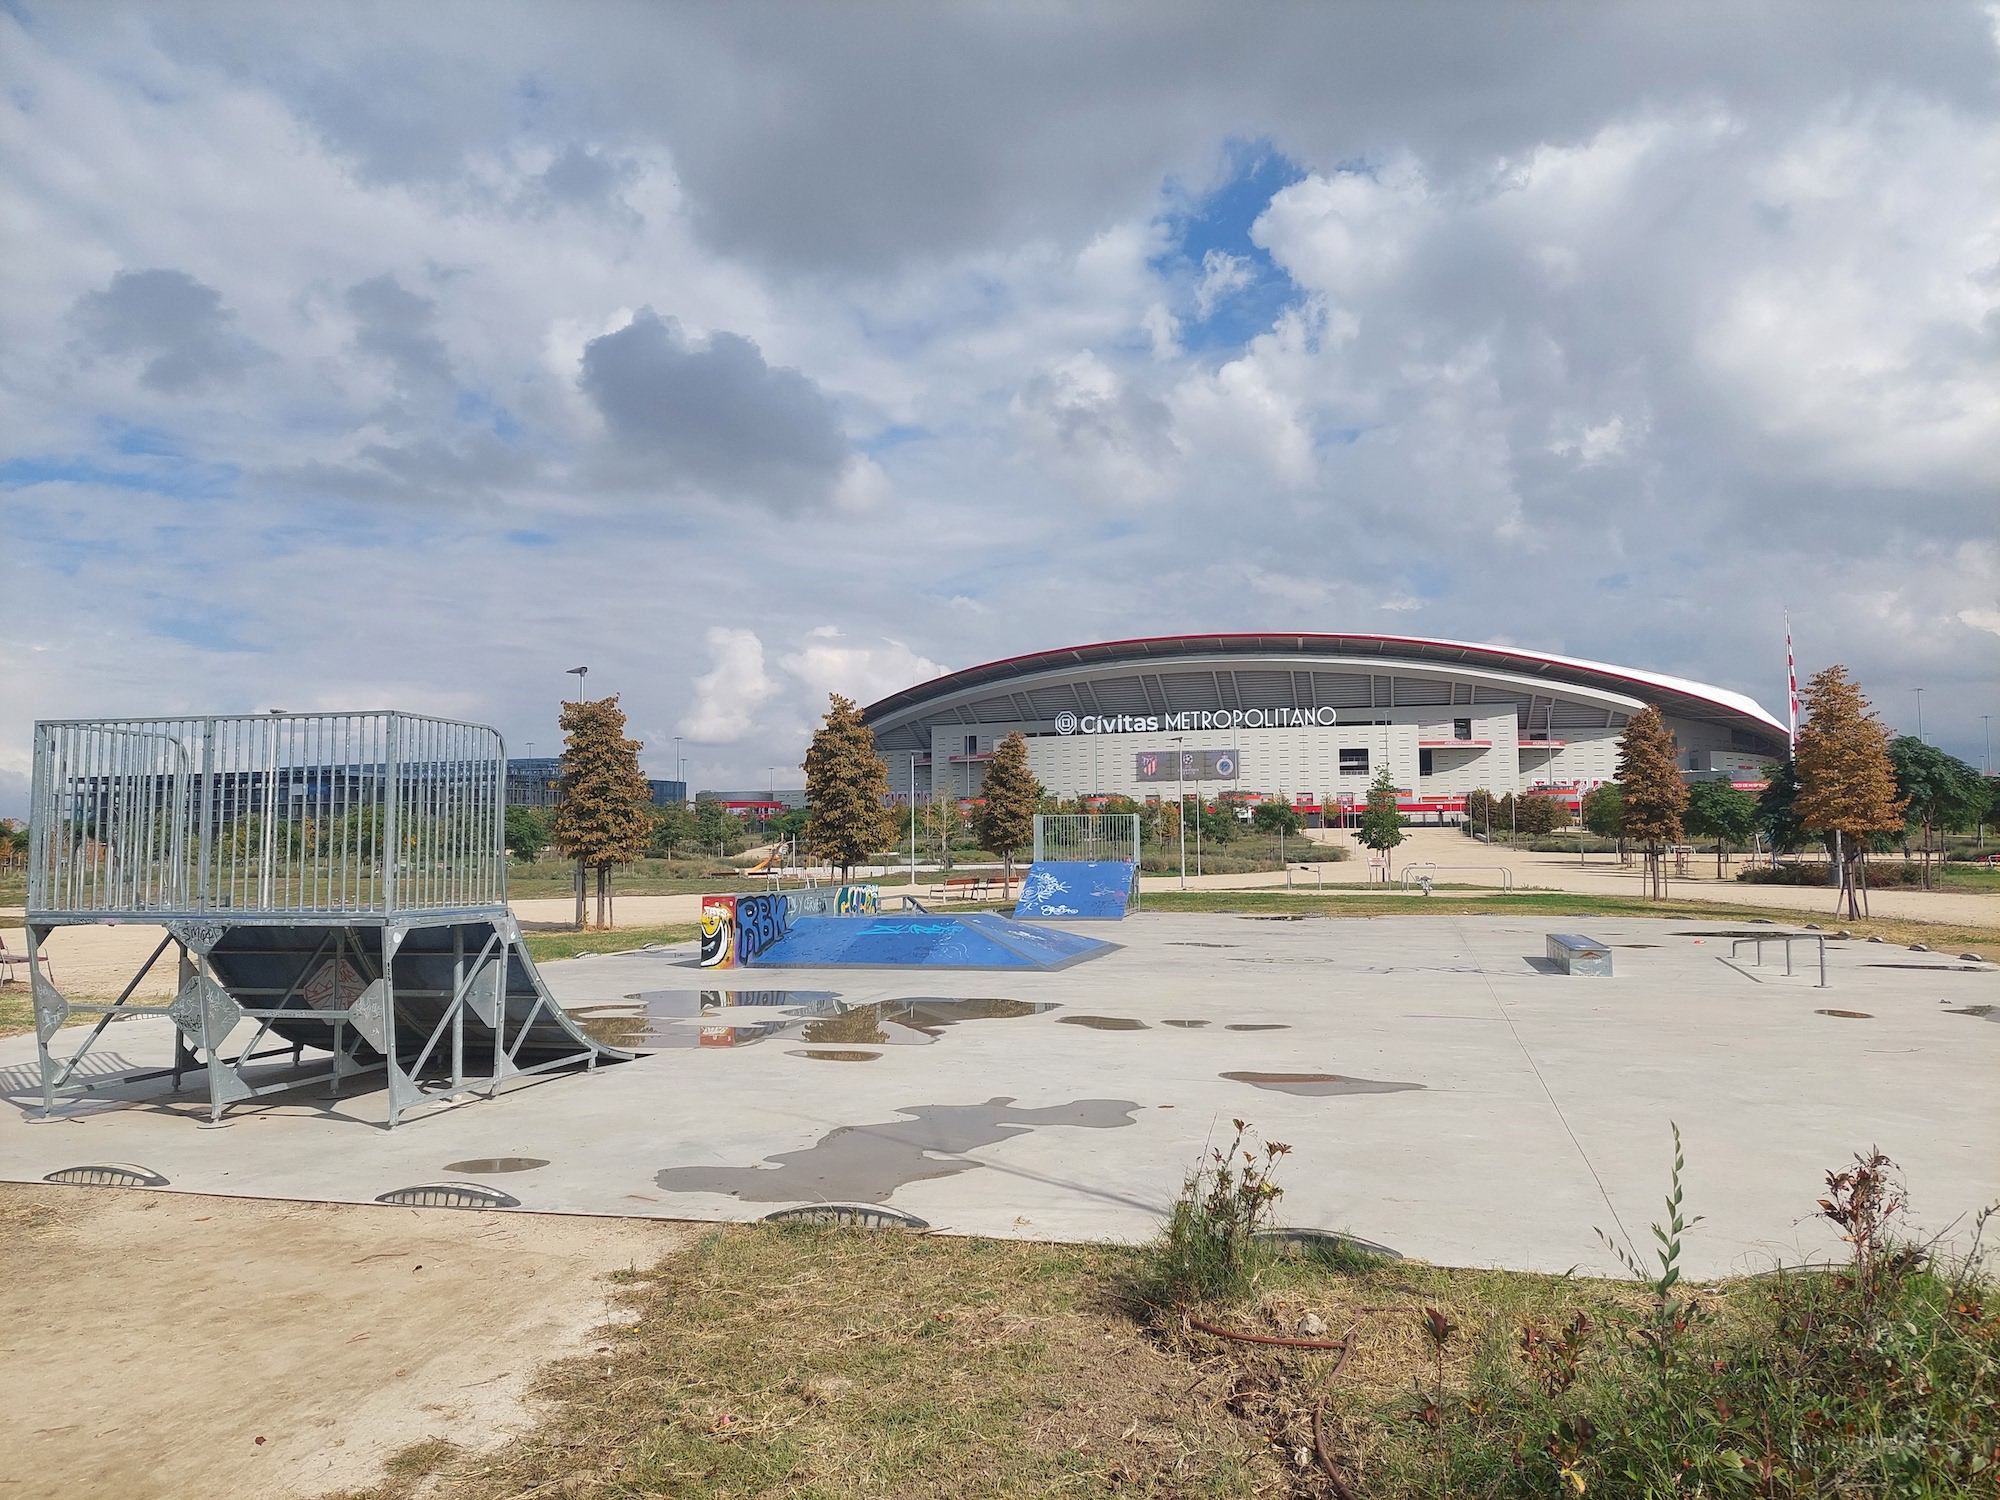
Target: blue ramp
1067,891
981,940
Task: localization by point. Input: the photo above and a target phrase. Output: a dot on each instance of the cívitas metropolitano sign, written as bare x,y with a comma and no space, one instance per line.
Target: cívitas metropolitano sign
1236,718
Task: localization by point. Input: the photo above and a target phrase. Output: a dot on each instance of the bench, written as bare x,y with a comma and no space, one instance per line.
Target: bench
971,888
1573,953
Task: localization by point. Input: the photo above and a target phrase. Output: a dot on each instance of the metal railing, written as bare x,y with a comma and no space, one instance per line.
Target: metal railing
1787,938
1087,838
265,814
1425,870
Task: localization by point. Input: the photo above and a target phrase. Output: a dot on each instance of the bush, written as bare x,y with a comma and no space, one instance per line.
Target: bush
1208,1247
1879,876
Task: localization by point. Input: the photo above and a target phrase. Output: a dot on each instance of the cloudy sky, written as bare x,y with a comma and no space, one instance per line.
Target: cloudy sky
408,356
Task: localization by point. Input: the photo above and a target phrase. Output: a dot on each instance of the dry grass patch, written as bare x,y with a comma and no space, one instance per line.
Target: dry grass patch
807,1362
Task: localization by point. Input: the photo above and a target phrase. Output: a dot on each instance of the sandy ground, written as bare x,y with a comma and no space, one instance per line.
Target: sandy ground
168,1344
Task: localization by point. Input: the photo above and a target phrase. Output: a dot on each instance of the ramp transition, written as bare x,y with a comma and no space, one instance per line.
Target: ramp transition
979,940
1096,891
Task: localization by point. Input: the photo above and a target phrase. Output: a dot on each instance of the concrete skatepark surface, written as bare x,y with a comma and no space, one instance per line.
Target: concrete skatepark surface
1444,1094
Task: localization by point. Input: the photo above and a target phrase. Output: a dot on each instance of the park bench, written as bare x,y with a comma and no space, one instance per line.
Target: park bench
971,888
1573,953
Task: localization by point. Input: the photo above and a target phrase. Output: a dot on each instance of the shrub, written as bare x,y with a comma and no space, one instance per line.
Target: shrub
1879,876
1208,1247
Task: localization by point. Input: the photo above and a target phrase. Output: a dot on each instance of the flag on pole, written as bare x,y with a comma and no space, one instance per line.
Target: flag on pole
1791,682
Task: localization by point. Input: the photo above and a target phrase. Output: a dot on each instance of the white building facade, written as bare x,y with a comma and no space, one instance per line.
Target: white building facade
1312,717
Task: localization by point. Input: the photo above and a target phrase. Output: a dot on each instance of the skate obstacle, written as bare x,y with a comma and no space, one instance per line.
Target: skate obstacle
1093,891
772,931
332,889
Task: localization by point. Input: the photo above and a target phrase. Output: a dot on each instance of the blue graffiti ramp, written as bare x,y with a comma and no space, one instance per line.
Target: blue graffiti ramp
981,940
1075,891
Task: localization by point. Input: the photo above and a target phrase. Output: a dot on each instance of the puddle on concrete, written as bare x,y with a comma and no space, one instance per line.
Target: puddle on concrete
867,1163
1932,968
1282,959
1204,945
1186,1025
1635,945
487,1166
1319,1085
1846,1015
659,1019
1984,1012
1103,1023
1278,917
1258,1026
832,1054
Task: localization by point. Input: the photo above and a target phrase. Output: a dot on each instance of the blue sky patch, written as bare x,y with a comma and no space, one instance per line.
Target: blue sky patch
174,477
1230,289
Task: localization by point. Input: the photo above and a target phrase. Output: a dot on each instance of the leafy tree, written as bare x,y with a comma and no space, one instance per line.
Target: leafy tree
1941,792
1217,821
789,824
1847,783
1655,795
1010,797
942,822
527,832
673,831
1604,813
606,814
1381,823
1716,810
1538,813
847,790
719,831
1277,815
1778,810
1483,811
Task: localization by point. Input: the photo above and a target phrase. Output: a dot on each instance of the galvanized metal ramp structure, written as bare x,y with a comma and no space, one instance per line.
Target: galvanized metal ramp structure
332,889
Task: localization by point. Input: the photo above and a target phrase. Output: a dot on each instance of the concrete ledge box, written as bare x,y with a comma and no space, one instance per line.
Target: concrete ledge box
1574,953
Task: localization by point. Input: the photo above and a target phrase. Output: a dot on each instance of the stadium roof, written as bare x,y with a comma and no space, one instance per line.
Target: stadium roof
1675,696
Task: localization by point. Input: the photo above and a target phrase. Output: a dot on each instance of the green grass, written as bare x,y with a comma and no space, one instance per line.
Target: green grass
545,946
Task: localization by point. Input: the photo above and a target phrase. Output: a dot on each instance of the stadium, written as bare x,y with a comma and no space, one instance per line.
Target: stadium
1312,717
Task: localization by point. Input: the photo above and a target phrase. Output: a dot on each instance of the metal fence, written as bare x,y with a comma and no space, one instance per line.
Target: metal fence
266,814
1087,837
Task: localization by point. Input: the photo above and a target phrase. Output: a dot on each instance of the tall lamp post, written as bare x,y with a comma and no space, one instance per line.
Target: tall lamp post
1920,711
1180,804
913,820
677,770
579,673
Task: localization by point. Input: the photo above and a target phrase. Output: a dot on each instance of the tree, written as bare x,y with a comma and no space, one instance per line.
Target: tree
1716,810
1655,795
1277,815
1381,824
527,832
1539,813
942,820
718,831
673,830
1604,814
1778,809
847,790
1847,783
1941,793
1482,811
605,816
1005,818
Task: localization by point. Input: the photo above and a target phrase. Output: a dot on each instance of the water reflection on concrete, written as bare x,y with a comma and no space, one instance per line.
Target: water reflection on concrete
1319,1085
655,1020
868,1163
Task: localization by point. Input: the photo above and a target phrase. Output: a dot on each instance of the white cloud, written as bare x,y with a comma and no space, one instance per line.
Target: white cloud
1981,619
1222,275
862,673
729,694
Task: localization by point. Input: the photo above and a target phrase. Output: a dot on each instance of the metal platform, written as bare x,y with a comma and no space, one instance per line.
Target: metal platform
329,884
980,940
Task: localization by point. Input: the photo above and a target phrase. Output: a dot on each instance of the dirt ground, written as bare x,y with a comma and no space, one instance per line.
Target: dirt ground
168,1344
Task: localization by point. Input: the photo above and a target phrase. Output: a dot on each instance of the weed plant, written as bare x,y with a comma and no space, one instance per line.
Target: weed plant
1208,1250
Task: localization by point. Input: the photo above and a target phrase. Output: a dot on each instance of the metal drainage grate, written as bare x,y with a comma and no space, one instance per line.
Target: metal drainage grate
450,1195
108,1174
847,1216
1308,1242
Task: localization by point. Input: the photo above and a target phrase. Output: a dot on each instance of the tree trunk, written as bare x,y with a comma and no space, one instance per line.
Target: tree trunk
579,895
604,895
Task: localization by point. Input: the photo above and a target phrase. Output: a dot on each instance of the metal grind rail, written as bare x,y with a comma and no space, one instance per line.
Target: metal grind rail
1424,870
334,883
1787,938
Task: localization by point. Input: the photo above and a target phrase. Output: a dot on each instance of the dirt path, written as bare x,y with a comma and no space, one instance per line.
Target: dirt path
166,1344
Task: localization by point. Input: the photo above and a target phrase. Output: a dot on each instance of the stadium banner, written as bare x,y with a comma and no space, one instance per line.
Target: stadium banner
1188,765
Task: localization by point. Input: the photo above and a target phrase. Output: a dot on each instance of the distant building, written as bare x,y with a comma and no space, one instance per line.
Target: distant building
1312,717
537,782
758,807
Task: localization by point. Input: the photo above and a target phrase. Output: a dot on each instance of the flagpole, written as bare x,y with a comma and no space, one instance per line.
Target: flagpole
1791,685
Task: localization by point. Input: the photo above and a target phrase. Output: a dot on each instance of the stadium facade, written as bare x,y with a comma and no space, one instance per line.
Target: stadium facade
1314,717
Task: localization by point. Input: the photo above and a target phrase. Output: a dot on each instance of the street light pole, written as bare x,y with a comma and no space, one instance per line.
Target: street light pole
913,820
579,673
677,770
1920,711
1180,804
